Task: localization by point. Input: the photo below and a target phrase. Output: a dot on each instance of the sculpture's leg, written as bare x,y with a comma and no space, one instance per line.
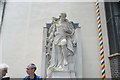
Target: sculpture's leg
64,52
60,57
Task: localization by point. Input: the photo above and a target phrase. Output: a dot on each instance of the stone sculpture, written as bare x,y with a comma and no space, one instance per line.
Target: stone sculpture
60,44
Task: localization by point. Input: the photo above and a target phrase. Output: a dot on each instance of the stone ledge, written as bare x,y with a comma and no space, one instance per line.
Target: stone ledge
113,55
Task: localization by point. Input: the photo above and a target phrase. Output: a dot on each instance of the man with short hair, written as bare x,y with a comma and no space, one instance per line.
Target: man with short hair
31,68
3,71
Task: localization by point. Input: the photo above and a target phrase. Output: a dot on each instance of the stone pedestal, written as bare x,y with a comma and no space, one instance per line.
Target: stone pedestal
63,74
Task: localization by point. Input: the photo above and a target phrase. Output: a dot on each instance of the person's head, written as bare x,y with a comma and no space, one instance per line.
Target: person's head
31,68
3,69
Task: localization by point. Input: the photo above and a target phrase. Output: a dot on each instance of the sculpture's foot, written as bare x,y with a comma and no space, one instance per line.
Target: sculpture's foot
56,68
65,62
60,68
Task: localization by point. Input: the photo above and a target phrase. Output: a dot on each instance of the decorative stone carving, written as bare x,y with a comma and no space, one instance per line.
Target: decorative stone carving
62,53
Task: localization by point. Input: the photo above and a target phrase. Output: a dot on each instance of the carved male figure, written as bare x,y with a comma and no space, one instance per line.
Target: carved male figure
61,32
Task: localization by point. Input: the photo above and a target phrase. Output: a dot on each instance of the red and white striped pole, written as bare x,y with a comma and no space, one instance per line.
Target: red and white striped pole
100,41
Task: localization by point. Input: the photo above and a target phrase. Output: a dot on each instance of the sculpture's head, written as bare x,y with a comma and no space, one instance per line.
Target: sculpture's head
63,15
54,19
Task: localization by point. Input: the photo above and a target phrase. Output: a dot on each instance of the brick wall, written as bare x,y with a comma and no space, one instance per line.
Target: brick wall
115,66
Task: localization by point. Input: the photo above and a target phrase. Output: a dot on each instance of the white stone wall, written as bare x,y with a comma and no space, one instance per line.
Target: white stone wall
22,34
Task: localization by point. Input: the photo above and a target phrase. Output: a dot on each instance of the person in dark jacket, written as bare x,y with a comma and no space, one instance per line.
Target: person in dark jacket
31,68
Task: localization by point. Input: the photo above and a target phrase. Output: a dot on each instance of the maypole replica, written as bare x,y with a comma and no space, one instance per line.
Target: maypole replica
100,41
